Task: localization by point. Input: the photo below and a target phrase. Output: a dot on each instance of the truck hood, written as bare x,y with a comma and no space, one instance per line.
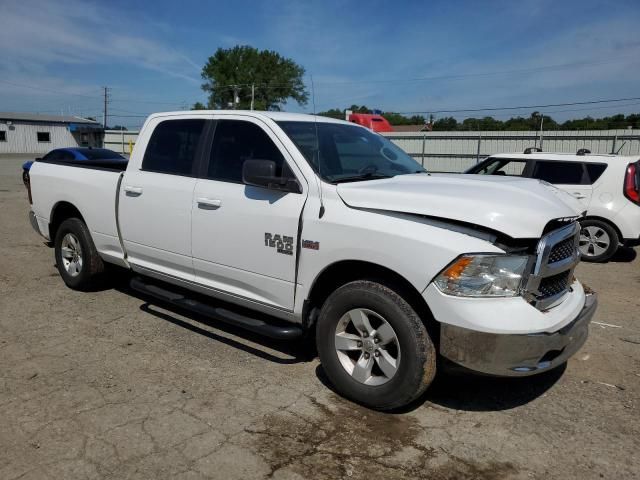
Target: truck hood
514,206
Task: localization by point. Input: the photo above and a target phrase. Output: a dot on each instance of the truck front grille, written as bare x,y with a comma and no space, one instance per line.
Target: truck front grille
562,250
556,257
553,285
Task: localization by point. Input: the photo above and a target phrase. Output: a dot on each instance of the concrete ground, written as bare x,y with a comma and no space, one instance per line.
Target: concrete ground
105,385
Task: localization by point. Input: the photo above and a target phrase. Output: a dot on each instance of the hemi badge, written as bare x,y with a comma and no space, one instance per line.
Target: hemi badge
311,244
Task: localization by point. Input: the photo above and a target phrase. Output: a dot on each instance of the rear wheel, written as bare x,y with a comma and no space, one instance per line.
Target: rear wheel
598,241
77,259
373,346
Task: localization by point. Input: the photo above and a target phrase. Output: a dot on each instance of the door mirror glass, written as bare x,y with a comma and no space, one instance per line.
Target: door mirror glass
262,173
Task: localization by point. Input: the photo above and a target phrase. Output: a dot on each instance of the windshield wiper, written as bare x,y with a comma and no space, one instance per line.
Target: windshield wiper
357,178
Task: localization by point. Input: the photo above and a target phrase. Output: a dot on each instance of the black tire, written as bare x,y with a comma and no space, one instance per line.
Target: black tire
89,274
417,362
589,253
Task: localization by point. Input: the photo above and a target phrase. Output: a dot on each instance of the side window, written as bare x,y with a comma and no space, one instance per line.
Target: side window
595,171
66,156
3,136
236,141
172,147
500,166
43,136
560,173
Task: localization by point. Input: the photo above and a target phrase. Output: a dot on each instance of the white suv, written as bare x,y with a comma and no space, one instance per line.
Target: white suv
607,185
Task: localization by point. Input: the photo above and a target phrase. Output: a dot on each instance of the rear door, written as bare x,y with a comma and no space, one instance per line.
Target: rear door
245,237
572,177
156,198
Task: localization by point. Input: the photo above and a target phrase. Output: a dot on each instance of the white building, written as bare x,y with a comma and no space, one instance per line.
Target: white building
35,133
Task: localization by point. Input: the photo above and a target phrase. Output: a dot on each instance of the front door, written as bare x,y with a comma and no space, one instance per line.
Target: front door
245,237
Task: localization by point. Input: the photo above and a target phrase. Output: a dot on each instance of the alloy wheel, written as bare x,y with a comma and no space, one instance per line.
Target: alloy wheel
367,347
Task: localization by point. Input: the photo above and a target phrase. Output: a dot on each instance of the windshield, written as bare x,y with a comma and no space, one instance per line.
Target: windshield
341,153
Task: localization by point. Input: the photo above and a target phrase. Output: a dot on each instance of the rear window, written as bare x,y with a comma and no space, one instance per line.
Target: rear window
560,173
172,147
595,171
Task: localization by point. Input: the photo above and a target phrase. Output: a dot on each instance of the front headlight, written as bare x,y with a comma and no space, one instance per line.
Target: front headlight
483,276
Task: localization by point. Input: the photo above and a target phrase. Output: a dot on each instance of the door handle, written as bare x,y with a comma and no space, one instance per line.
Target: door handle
579,195
131,190
210,203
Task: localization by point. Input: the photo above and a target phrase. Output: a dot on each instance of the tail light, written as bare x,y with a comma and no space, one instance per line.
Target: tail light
632,183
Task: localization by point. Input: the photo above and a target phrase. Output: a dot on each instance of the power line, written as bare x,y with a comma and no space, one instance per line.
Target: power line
521,107
508,115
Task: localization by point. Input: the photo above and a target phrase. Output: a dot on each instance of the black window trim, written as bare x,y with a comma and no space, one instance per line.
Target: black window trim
43,141
206,153
195,167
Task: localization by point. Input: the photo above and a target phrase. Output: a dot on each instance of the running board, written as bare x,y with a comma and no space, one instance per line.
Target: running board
271,330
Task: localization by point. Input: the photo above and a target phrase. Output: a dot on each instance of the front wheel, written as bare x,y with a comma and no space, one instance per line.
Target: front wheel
373,346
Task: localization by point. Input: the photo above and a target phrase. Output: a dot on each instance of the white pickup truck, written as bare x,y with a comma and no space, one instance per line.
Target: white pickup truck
291,225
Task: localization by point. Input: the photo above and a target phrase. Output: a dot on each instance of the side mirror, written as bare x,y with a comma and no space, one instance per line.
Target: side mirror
262,173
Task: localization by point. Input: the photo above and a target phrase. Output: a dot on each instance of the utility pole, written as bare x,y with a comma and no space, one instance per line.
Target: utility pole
106,101
236,96
253,93
541,124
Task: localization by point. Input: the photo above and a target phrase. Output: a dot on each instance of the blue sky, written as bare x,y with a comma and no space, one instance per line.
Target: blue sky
403,56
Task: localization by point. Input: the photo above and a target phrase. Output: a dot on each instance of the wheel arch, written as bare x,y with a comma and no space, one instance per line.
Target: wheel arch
60,212
608,222
342,272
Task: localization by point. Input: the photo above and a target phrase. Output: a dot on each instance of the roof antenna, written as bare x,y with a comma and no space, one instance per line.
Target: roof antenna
315,123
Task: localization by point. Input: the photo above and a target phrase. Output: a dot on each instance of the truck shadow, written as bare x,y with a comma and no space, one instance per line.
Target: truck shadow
283,352
475,393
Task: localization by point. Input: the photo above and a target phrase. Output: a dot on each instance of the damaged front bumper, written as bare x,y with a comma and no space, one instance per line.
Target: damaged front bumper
516,354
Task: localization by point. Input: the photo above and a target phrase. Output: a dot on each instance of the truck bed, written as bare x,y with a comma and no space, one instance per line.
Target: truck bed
91,187
116,165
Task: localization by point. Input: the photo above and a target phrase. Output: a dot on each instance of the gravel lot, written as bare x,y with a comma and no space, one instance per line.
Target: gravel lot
105,385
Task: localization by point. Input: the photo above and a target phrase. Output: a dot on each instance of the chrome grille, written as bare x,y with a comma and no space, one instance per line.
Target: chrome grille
556,257
553,285
562,250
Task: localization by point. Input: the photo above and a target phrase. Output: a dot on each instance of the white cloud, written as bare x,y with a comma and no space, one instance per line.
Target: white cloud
38,34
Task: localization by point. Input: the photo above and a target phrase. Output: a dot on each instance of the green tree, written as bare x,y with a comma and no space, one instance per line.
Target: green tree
333,113
399,119
234,70
359,109
199,106
445,124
